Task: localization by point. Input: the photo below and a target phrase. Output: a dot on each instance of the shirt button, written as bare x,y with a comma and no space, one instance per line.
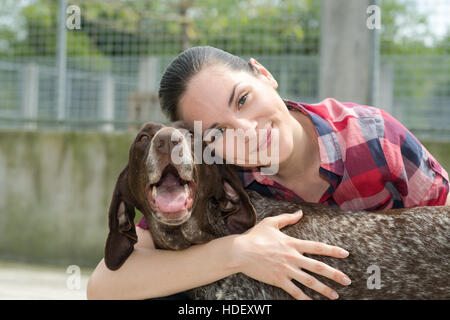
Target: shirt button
432,164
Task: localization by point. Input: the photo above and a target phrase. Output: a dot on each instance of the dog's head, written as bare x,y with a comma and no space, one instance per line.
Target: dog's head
183,200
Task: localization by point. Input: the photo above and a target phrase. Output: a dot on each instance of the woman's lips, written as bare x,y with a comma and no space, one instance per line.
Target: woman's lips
266,139
269,135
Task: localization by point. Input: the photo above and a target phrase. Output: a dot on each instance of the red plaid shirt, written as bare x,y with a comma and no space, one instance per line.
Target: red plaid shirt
370,159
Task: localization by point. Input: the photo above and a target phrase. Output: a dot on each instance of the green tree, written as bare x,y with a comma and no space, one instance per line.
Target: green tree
116,28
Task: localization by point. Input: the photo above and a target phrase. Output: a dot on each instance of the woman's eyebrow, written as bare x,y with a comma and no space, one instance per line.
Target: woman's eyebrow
232,94
212,126
229,104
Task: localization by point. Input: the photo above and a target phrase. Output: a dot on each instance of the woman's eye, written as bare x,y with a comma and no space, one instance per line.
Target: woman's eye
221,130
218,132
242,100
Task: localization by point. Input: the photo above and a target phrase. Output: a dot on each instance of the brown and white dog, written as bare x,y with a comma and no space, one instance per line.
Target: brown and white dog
394,254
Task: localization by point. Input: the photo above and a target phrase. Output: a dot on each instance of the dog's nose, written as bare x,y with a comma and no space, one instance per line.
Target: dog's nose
165,140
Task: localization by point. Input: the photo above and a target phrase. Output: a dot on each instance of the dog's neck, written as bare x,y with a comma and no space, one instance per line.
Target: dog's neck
179,237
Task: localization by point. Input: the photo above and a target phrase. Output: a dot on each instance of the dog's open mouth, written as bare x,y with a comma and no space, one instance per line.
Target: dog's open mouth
171,197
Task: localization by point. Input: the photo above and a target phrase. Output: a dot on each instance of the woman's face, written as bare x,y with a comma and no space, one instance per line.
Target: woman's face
245,111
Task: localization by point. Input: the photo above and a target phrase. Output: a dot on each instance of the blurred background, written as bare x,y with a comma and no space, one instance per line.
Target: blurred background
78,78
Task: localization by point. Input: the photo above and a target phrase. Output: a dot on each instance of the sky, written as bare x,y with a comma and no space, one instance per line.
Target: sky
438,13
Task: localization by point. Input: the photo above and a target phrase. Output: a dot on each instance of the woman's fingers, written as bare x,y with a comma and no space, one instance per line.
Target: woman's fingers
294,291
313,247
314,284
306,246
318,248
270,256
324,270
284,219
308,281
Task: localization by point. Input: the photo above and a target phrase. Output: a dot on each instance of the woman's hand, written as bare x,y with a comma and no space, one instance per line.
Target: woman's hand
266,254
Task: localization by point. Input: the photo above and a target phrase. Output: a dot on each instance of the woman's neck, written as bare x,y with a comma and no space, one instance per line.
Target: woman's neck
305,157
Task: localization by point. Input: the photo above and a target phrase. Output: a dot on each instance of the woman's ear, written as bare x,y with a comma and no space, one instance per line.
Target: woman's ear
264,72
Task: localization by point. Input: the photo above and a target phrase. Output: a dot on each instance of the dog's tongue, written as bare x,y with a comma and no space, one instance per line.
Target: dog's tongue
170,194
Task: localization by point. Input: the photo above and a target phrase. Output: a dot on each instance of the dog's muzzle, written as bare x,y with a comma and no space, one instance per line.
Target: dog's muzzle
170,164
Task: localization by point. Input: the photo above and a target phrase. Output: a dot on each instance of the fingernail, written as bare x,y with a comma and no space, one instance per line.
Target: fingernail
299,213
334,295
345,253
346,281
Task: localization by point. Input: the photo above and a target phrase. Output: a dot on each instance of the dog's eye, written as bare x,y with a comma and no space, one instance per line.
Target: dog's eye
144,138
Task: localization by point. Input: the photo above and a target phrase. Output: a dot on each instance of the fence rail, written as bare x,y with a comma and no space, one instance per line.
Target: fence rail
114,61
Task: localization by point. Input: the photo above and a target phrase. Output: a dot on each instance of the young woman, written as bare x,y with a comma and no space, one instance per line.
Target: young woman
338,154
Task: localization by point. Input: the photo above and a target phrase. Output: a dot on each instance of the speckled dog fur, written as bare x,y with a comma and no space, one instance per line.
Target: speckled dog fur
410,247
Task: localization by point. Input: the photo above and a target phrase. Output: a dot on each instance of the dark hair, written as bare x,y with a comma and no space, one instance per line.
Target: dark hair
187,64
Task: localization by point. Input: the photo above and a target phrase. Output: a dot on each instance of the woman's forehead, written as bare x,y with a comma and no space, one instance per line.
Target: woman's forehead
213,79
207,95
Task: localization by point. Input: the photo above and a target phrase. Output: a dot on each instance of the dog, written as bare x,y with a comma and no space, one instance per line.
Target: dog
394,254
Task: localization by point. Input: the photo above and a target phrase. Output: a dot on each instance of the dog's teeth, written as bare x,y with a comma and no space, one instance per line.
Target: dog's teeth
154,192
186,189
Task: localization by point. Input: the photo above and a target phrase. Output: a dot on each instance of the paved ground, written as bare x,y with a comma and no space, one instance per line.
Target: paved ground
24,282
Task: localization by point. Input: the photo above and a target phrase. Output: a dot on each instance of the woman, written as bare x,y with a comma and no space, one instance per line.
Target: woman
345,155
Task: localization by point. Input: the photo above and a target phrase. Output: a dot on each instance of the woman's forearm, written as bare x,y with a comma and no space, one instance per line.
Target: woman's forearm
150,273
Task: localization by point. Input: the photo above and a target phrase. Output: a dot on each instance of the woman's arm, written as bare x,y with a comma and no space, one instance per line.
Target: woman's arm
263,253
150,273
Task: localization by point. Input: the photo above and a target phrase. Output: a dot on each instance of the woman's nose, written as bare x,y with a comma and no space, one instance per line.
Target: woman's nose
246,124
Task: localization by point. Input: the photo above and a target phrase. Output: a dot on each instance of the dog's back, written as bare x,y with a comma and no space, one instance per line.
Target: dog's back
395,254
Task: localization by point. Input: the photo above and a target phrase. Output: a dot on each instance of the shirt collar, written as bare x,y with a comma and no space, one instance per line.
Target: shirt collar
329,148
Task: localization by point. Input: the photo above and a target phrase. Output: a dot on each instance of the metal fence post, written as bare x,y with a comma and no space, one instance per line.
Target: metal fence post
345,51
107,103
385,97
144,104
374,95
30,95
61,62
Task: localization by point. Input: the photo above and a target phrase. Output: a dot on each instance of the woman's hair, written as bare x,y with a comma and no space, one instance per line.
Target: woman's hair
186,65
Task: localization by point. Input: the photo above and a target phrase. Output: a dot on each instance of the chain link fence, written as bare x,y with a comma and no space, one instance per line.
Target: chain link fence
96,65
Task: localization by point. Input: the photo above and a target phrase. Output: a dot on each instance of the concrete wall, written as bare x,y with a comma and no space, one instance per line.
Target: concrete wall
55,190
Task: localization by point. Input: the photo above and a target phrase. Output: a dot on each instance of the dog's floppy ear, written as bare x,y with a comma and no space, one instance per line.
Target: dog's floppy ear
235,205
122,231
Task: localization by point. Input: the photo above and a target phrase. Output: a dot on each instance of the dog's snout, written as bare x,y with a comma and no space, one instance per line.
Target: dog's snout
169,146
166,140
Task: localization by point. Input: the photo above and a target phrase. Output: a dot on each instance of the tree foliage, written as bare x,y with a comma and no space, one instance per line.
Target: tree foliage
118,28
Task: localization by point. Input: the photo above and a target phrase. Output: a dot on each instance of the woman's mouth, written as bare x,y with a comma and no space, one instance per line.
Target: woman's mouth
269,136
265,138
